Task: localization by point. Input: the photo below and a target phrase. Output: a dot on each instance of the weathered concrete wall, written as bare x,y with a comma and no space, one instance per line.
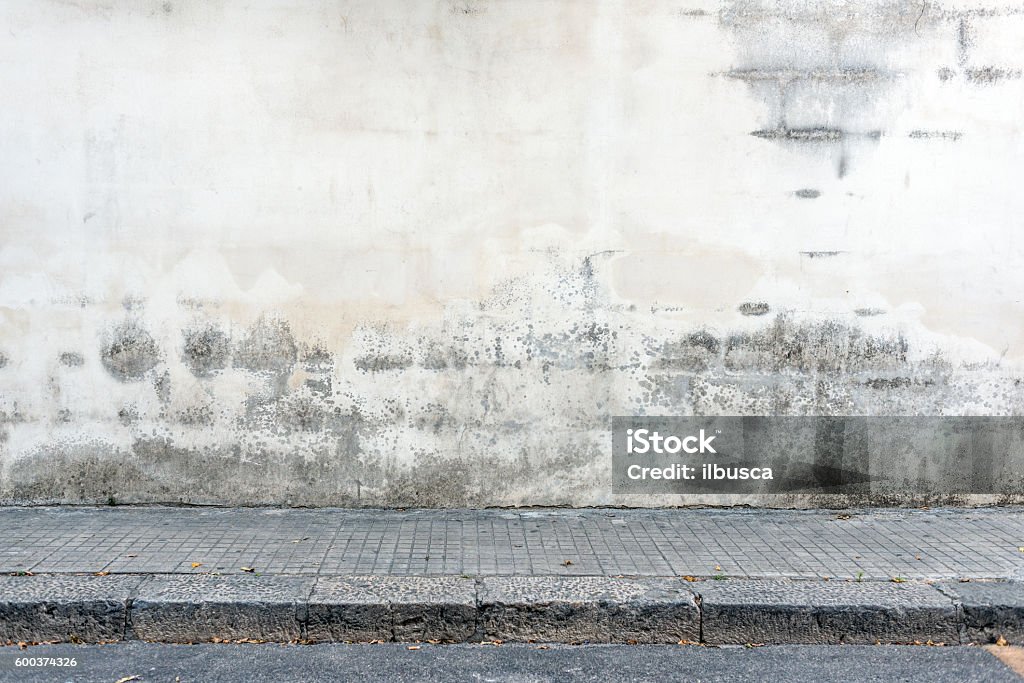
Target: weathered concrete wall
417,253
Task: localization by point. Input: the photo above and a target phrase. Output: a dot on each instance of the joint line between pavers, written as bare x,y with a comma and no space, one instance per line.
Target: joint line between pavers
958,610
128,632
478,611
304,621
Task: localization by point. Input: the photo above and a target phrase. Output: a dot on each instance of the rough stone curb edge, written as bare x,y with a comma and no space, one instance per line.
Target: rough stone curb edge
87,608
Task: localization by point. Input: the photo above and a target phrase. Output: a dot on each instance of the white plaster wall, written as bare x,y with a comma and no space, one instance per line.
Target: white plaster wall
526,183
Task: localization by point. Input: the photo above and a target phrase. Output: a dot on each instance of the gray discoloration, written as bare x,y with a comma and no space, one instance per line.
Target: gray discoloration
128,415
317,357
196,416
823,73
820,254
207,349
830,346
695,352
3,360
129,351
162,386
756,308
803,134
521,392
72,359
869,312
382,362
267,347
133,303
785,75
952,135
990,75
807,193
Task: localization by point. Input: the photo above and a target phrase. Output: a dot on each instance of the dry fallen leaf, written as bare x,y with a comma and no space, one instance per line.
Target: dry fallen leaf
718,568
691,579
543,647
1002,642
196,564
844,516
413,647
898,579
101,573
126,679
566,563
248,570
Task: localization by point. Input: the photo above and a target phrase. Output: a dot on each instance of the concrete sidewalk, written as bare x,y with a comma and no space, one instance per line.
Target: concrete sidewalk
712,576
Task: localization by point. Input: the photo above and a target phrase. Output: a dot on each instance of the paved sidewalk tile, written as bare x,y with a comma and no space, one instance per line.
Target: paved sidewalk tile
866,544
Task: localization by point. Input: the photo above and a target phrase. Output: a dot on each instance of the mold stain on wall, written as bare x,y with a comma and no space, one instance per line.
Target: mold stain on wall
448,413
258,386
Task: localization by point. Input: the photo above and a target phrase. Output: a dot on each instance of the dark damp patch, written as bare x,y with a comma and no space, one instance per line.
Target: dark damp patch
302,413
437,357
133,303
267,347
694,352
3,360
754,308
990,74
808,193
322,386
72,359
953,135
317,357
196,415
897,382
828,346
207,349
162,385
128,415
129,351
377,362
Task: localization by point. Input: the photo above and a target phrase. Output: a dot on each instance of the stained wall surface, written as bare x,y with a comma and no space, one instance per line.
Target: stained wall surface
419,253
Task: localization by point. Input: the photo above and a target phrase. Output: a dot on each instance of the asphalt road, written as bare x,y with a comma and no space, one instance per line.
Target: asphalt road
396,663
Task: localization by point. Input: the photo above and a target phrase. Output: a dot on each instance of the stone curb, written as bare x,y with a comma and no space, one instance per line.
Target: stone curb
205,607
